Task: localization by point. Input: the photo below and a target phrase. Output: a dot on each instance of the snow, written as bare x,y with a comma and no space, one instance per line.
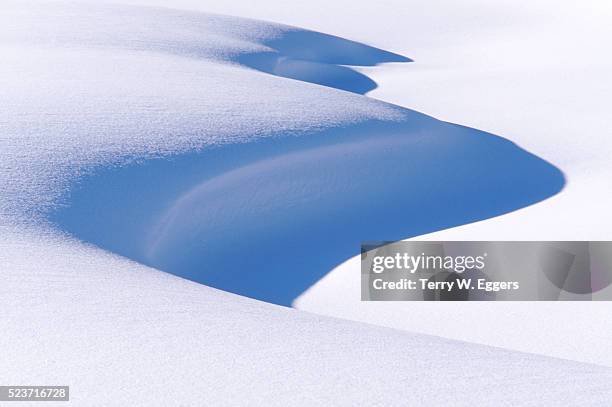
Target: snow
539,78
136,141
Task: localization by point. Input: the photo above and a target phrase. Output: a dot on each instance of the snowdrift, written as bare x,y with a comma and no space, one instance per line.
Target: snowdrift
136,136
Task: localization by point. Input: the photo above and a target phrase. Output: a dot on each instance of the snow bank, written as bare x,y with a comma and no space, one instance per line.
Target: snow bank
93,93
532,72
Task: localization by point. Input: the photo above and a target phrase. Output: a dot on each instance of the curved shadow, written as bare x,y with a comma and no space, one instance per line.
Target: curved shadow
269,219
333,76
319,58
329,49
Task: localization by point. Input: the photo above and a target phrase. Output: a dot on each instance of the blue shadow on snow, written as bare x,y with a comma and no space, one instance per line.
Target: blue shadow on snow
268,219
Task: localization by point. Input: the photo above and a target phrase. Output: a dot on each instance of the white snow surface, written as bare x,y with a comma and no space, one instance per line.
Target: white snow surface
92,87
534,72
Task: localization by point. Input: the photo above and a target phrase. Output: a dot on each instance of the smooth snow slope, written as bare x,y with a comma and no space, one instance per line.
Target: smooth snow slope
269,185
89,90
534,72
121,334
537,73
